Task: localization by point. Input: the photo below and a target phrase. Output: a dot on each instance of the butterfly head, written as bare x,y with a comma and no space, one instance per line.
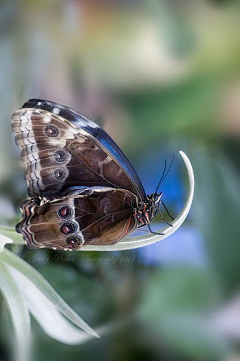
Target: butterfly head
155,197
147,210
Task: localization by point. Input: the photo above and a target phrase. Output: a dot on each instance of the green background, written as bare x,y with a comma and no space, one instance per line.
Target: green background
159,76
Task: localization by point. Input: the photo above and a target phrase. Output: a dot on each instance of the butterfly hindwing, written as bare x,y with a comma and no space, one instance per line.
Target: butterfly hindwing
83,216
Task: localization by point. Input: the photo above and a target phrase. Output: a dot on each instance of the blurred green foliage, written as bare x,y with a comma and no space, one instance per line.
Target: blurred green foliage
151,72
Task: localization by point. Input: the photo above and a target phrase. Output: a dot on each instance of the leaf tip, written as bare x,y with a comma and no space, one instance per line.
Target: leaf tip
3,241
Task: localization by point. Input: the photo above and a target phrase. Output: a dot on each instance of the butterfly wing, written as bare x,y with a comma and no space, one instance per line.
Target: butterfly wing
61,149
83,216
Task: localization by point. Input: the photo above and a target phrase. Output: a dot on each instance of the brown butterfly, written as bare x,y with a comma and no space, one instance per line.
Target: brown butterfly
83,189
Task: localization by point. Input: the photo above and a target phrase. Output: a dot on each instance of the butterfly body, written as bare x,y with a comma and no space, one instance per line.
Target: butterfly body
83,189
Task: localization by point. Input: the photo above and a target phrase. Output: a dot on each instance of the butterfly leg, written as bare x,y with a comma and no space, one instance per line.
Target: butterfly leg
166,210
163,217
157,233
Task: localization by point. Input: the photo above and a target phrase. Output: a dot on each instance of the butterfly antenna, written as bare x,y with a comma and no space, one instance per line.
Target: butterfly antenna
164,170
165,175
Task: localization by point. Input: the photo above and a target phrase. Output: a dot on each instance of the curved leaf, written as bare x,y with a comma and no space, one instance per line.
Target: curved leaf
11,233
39,281
4,240
46,314
19,313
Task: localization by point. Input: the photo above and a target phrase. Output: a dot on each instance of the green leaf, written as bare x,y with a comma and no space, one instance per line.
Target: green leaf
4,240
46,314
11,233
40,282
19,313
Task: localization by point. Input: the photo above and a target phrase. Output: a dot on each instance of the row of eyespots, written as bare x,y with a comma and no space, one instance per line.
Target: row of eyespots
67,228
61,156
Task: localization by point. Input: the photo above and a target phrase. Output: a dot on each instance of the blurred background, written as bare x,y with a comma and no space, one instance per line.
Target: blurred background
159,76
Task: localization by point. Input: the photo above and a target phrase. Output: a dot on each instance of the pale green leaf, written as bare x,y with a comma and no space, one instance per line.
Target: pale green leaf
11,233
19,313
40,282
4,240
45,312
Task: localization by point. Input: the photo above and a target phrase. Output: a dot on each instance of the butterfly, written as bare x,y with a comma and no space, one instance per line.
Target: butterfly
83,189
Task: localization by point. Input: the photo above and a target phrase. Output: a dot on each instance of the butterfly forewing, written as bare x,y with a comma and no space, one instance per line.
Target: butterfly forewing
61,149
93,129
